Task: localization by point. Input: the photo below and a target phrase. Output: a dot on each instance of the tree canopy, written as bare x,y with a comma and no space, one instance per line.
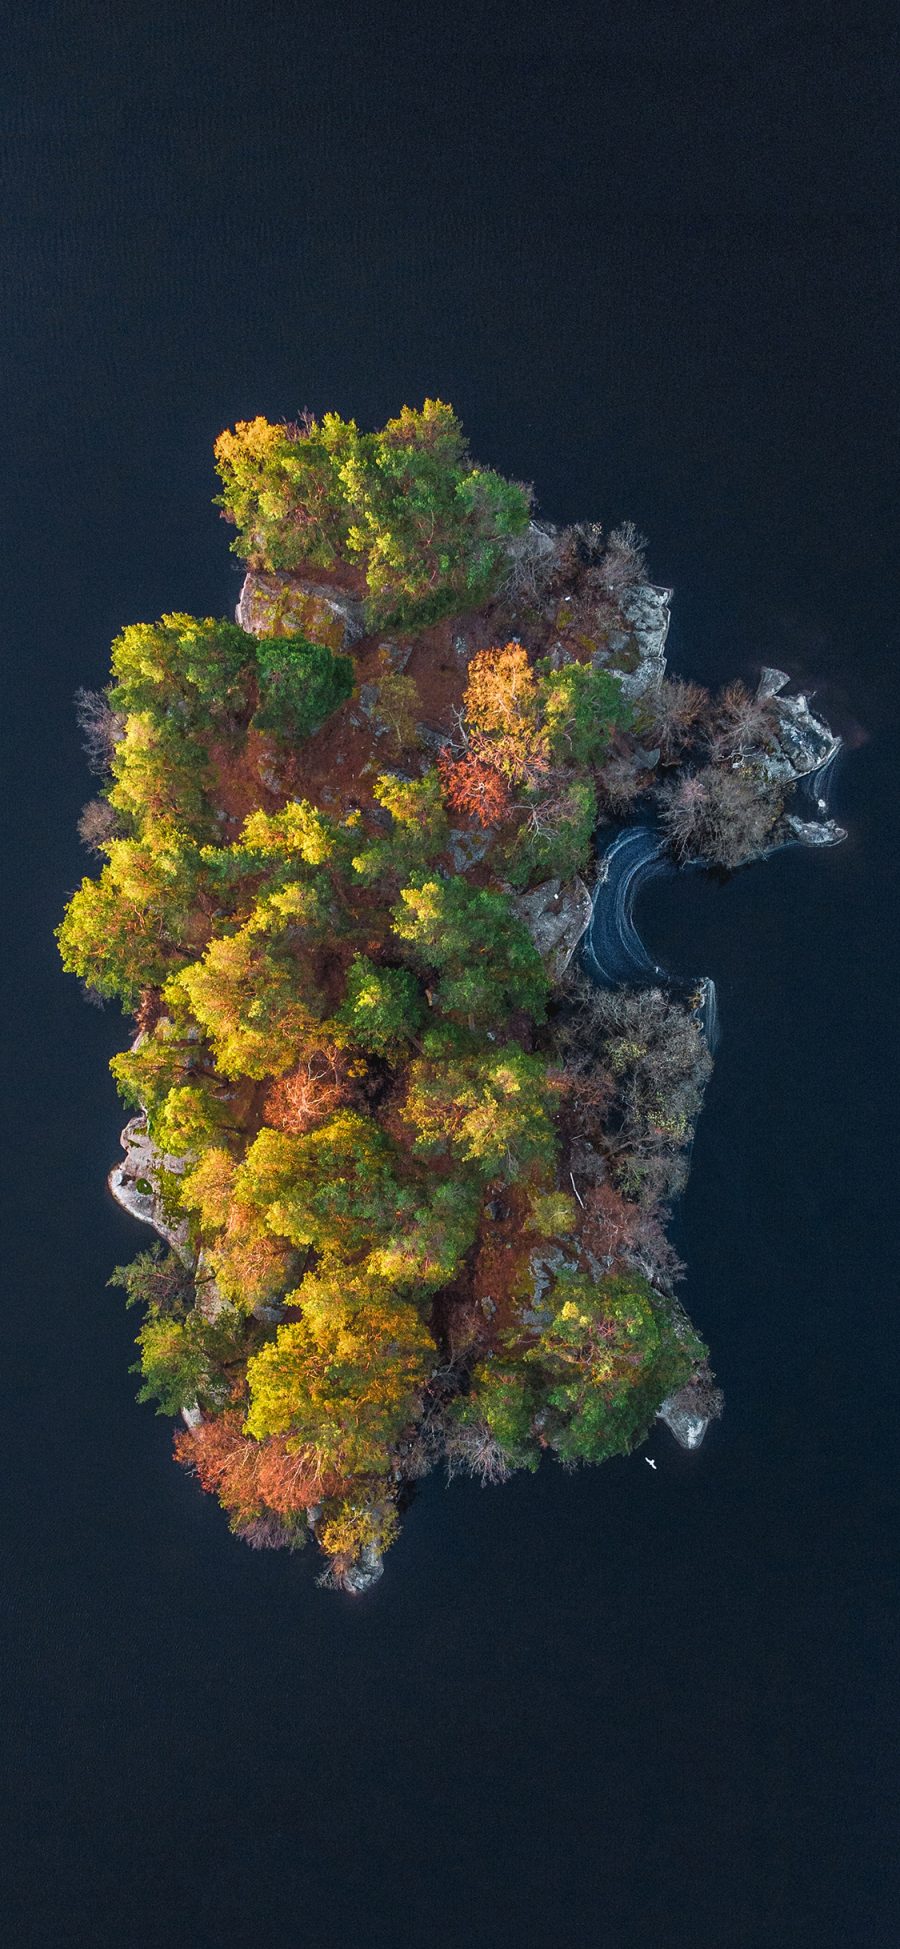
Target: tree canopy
416,1188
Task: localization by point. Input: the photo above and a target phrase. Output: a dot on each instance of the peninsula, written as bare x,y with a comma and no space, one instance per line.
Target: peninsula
409,1110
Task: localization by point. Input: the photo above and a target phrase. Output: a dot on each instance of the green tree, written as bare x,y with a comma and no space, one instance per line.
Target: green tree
254,996
183,670
383,1007
429,527
300,685
505,1399
581,709
426,1252
488,1106
607,1358
556,839
334,1188
282,489
181,1361
123,932
158,1280
419,830
486,960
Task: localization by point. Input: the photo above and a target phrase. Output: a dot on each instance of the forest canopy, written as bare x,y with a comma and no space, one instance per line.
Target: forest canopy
412,1175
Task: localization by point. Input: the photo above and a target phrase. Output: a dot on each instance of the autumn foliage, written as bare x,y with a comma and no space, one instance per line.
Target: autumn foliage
416,1206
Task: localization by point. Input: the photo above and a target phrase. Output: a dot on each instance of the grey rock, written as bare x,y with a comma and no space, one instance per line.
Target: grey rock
365,1572
556,917
647,610
263,592
814,832
466,848
682,1420
142,1164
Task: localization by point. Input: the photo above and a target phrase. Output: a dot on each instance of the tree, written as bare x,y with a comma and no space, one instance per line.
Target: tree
624,560
254,998
672,713
282,490
427,1248
334,1188
342,1381
743,726
249,1477
383,1007
488,1106
300,685
497,1419
418,828
555,840
158,1060
180,1362
486,959
312,1091
184,669
122,932
157,1279
97,825
399,708
721,817
502,715
605,1361
250,1264
474,788
429,528
349,1525
582,707
192,1117
101,728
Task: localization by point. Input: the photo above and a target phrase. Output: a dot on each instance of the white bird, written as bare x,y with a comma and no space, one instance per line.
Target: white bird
650,1463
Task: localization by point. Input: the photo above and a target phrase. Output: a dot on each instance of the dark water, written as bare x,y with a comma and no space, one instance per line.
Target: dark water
649,253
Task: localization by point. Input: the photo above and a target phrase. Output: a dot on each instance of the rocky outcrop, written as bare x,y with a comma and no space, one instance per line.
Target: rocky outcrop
135,1186
365,1572
647,611
679,1412
804,741
278,605
556,915
813,832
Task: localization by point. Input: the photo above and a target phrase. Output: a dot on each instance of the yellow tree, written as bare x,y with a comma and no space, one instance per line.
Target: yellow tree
343,1380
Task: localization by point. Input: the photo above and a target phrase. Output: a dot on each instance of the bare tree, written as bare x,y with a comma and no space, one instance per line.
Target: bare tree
721,816
674,710
635,1068
625,560
474,1450
97,825
101,727
620,782
742,726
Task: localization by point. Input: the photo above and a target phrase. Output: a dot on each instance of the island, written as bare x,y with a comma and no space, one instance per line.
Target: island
410,1104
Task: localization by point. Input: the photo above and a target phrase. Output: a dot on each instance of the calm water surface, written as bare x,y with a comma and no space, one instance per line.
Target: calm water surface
654,270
